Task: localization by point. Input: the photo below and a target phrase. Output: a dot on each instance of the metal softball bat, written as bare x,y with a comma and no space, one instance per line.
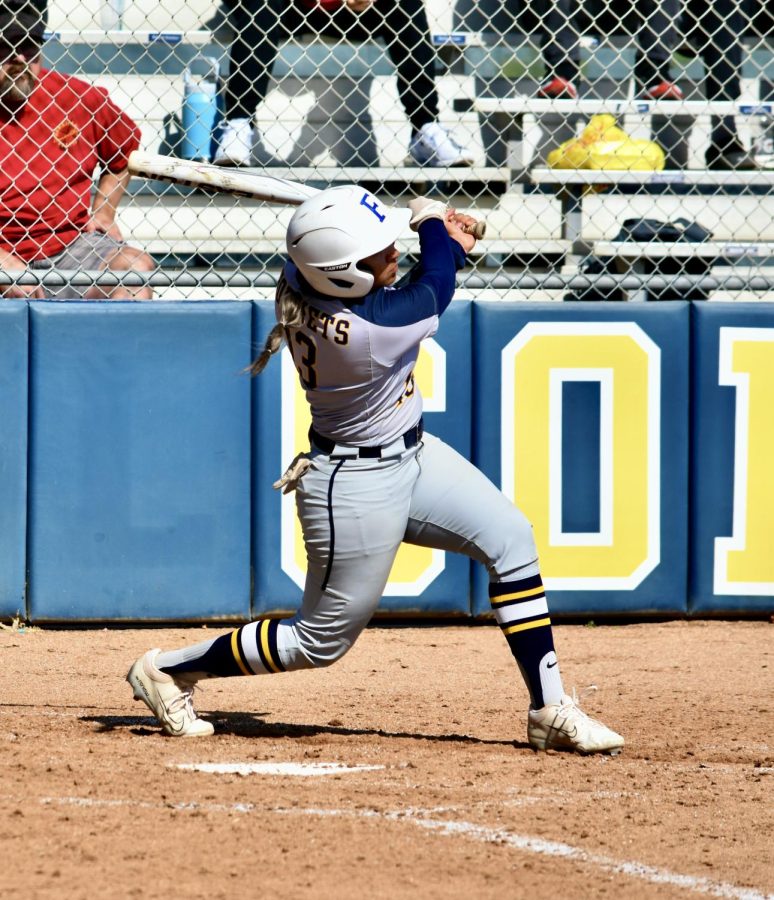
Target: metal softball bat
237,182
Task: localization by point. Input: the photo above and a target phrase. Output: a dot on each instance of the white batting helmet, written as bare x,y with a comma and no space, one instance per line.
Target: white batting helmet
331,232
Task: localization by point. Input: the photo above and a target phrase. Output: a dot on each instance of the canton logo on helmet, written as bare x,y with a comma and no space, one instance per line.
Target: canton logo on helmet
338,268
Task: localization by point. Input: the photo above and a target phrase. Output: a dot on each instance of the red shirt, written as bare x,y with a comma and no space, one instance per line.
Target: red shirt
48,154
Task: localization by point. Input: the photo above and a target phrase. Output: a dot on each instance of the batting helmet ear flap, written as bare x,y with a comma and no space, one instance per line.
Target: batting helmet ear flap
331,232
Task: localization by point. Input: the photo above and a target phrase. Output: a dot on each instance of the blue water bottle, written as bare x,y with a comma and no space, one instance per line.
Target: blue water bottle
200,103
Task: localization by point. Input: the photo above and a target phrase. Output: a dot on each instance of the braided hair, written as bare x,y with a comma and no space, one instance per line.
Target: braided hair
292,311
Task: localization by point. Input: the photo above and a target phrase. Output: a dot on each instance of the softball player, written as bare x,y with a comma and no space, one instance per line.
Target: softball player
373,477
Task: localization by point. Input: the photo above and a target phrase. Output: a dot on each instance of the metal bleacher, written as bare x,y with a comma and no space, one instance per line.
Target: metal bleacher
736,207
539,220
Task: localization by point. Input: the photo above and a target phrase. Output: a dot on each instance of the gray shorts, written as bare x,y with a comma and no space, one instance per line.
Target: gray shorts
88,252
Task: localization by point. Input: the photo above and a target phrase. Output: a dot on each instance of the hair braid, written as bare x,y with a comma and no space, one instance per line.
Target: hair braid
292,310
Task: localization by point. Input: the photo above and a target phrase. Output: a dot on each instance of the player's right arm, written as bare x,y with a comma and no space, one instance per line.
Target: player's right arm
408,313
429,287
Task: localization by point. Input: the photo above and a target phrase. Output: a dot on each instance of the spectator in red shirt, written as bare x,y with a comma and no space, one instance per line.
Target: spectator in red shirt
54,131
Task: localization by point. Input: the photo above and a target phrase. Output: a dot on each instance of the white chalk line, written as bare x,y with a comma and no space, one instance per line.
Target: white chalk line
455,828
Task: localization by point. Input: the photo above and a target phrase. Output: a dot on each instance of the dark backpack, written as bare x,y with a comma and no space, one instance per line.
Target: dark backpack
647,230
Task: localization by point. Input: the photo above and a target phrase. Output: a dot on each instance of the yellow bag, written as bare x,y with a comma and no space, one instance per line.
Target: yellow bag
603,145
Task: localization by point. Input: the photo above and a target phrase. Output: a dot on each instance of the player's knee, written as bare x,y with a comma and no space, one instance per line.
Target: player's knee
130,258
330,653
321,653
144,263
515,543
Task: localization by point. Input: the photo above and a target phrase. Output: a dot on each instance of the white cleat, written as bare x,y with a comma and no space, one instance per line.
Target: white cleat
169,699
433,145
235,143
564,726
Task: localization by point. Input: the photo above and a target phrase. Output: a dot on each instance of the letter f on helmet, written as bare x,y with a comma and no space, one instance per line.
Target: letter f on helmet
329,233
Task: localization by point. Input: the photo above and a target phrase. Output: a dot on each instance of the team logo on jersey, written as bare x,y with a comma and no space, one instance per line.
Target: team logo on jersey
66,133
338,268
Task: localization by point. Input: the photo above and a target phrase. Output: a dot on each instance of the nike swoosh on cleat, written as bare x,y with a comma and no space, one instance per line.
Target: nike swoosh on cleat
563,730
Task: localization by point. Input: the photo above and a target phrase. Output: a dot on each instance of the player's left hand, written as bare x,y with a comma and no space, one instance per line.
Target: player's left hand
104,225
426,208
293,474
455,222
359,6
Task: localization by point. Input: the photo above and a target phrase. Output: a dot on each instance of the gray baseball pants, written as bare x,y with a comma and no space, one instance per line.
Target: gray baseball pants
355,513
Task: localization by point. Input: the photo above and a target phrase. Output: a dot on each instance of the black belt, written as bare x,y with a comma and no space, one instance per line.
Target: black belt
410,439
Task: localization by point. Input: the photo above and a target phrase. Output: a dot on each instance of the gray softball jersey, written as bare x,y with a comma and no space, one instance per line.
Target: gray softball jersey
356,358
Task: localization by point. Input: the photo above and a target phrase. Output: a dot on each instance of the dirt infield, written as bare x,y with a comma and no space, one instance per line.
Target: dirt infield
443,798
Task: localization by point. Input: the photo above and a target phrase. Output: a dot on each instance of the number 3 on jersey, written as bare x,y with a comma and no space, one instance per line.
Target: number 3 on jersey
408,390
304,352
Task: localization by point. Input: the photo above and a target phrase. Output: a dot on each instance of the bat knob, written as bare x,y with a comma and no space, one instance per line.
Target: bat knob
477,230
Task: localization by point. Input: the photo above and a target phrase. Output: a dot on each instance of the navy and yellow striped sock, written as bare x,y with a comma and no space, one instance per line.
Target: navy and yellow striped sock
521,611
249,650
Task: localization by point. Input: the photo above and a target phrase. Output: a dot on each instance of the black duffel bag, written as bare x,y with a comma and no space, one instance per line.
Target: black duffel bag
649,231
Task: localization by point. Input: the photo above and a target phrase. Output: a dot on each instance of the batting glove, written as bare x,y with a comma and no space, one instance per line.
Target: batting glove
293,474
424,208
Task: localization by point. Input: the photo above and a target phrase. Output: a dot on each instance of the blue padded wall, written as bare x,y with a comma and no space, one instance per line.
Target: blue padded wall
439,585
565,426
732,464
139,461
13,456
136,457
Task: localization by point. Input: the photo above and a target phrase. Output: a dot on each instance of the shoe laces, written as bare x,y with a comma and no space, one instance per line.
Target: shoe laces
183,702
454,142
574,709
589,689
438,134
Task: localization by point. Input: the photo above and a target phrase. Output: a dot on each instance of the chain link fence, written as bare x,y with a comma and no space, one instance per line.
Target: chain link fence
494,105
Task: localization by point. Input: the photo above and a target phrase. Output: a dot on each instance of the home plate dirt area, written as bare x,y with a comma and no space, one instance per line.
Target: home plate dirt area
401,772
